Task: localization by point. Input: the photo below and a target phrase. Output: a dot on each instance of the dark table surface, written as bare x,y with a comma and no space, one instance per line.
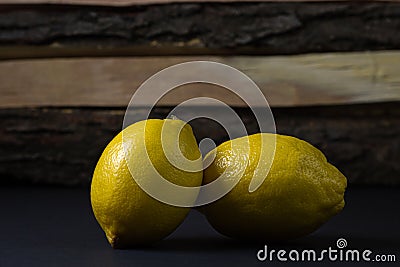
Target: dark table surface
46,226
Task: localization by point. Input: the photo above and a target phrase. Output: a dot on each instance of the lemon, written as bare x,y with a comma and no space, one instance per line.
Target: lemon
300,192
127,214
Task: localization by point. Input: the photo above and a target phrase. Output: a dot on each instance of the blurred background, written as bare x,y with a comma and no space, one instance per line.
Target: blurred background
68,68
330,72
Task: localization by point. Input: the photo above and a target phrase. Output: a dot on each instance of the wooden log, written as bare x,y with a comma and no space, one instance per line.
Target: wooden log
146,2
61,145
285,81
261,28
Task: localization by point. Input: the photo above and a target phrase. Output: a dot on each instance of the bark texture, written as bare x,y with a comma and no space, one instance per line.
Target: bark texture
261,28
61,145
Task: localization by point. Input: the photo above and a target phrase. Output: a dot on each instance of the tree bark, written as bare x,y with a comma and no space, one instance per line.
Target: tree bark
245,28
61,145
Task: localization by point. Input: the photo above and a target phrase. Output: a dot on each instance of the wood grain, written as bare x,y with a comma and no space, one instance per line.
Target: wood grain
62,145
284,80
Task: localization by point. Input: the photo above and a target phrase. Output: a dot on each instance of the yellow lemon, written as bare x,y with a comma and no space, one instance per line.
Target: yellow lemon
301,191
127,214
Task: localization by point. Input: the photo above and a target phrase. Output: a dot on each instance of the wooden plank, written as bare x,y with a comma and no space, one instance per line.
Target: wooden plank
9,52
237,28
144,2
61,145
285,80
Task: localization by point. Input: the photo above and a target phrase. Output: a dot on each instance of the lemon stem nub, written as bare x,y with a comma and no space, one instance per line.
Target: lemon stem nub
173,117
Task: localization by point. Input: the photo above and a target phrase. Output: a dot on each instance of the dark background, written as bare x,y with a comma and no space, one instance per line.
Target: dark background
49,150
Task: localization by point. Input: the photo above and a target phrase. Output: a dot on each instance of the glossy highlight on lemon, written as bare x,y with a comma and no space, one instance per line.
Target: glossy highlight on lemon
127,214
300,193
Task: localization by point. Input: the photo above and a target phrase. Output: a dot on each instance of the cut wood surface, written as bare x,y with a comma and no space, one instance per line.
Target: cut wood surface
143,2
284,80
62,145
237,28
